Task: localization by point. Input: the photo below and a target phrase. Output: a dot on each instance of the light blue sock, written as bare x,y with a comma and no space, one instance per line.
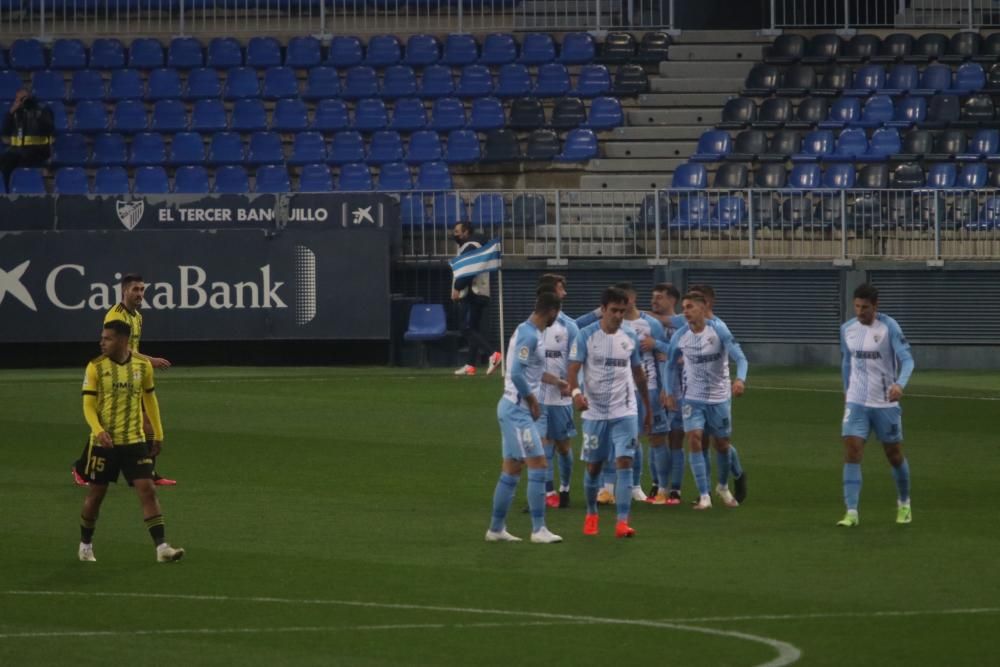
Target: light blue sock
676,469
722,458
608,475
902,475
502,497
735,467
654,465
706,453
591,484
852,485
660,465
700,473
565,469
637,466
536,497
549,472
623,493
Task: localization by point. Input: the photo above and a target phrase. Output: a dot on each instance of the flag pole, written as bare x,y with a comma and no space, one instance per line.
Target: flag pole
503,363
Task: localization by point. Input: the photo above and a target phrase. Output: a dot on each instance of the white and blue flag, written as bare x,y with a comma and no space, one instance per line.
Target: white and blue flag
485,259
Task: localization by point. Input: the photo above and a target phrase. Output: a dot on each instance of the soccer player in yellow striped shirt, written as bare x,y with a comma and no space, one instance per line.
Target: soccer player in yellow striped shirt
117,388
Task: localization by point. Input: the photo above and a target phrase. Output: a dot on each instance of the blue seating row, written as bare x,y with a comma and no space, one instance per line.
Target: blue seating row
764,80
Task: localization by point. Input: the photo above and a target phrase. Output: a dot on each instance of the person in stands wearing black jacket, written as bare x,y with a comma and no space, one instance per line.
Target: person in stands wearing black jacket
28,130
473,295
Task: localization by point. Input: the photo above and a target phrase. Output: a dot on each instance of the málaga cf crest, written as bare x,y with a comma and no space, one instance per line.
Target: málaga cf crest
130,212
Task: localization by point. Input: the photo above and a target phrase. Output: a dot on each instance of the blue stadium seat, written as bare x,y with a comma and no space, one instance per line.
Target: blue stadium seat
877,111
885,143
48,85
147,149
973,176
592,81
475,81
263,52
27,55
145,53
208,116
68,54
265,148
839,176
232,179
202,83
970,77
330,116
463,147
989,216
272,178
901,80
503,146
408,115
942,176
578,48
580,146
224,53
303,53
71,181
151,181
692,212
852,144
109,150
27,181
460,50
128,117
185,53
489,210
843,111
191,179
248,116
689,176
399,81
424,146
437,81
713,145
107,53
370,115
59,117
605,114
537,48
394,177
487,114
290,116
86,84
910,111
805,176
280,82
315,178
126,84
498,49
169,116
345,52
448,113
730,211
935,79
447,208
70,150
346,147
867,80
412,212
322,83
90,117
383,50
985,145
308,148
513,81
360,82
385,146
433,176
10,83
422,50
354,177
552,81
225,148
187,148
241,83
111,181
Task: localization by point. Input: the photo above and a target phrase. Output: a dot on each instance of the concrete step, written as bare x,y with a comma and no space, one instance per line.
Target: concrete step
709,84
574,248
714,52
685,100
589,230
704,117
624,181
633,165
686,69
649,149
654,133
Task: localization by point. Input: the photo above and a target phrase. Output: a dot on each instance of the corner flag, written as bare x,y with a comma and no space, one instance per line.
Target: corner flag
482,260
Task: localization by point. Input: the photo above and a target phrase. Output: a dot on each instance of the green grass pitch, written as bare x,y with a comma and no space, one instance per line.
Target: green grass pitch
336,517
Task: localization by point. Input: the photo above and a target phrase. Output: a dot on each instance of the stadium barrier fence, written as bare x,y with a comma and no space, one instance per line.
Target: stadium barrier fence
848,15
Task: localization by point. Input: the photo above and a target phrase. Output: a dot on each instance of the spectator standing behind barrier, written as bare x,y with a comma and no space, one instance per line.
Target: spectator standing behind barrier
27,129
473,296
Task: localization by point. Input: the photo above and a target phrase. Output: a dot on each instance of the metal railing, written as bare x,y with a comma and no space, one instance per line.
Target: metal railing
744,224
53,18
850,14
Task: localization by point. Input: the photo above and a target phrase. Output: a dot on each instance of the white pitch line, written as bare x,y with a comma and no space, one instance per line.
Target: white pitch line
813,390
843,614
787,653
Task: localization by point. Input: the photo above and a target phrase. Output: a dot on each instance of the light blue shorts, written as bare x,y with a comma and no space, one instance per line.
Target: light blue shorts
606,439
714,419
518,432
674,419
556,422
860,421
660,423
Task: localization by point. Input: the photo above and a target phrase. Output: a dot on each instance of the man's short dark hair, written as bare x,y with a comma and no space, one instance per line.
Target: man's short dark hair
464,225
130,278
546,301
696,296
119,327
867,292
625,287
613,294
705,290
551,280
667,288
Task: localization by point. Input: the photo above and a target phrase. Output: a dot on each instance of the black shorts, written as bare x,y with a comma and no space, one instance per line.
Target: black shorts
102,464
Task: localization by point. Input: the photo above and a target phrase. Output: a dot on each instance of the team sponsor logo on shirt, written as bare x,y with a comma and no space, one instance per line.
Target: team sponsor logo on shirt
617,363
862,354
705,358
553,354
